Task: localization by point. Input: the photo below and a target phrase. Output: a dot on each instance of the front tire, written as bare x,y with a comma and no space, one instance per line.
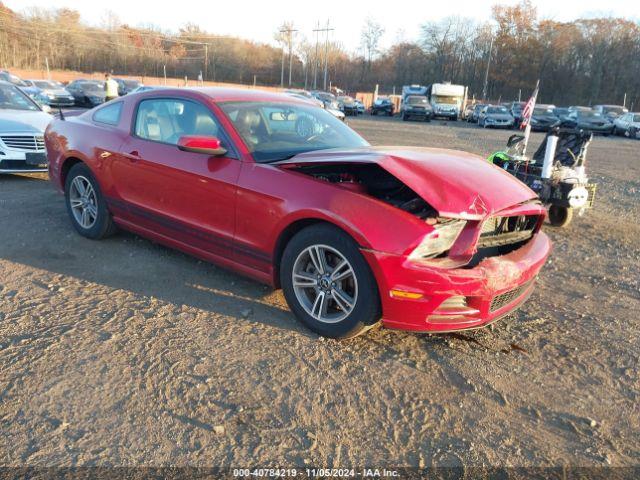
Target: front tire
86,206
328,283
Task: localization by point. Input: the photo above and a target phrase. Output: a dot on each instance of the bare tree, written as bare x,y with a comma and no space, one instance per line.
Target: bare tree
372,31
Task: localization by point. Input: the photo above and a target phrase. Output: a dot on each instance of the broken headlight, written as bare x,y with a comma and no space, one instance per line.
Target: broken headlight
439,241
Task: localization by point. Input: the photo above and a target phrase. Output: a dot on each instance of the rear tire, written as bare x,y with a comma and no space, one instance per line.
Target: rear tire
560,216
313,257
86,206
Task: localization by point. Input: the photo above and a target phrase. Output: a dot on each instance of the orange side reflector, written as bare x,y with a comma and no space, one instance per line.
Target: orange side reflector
403,294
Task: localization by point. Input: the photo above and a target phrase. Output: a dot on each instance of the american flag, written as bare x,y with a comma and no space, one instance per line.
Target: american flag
527,111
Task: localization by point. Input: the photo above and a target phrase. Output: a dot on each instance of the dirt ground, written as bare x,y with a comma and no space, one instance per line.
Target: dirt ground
123,352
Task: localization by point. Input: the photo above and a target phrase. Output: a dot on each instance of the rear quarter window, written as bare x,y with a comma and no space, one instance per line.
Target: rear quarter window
109,115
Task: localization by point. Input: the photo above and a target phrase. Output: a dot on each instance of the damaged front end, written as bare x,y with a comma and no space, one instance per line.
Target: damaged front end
478,257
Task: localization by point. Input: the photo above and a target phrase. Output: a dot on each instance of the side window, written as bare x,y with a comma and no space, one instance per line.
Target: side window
109,114
166,120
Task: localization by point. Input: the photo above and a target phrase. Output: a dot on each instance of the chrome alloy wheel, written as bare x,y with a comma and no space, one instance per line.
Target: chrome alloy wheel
325,283
84,203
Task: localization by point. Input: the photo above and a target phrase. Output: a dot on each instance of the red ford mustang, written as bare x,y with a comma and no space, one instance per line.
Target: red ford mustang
279,190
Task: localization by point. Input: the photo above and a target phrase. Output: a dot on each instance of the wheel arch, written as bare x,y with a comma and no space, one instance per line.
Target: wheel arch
66,167
289,232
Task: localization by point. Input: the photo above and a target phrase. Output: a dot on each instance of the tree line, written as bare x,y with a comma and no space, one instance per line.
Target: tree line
585,61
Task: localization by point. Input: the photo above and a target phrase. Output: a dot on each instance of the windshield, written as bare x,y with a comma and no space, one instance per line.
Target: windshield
327,97
542,111
497,110
7,77
614,109
91,87
445,99
560,111
278,131
11,98
589,114
416,100
44,84
301,93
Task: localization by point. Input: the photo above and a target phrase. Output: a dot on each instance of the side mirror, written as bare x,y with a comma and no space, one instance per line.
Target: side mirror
46,108
201,144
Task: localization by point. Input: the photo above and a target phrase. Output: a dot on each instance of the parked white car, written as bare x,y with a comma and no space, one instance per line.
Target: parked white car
627,125
22,125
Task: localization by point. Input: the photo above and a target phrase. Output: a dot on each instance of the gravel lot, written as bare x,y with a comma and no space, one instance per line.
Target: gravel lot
123,352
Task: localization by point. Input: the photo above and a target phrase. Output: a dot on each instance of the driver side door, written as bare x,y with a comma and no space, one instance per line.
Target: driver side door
187,197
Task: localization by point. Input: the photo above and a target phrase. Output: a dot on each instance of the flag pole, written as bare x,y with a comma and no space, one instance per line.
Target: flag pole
527,129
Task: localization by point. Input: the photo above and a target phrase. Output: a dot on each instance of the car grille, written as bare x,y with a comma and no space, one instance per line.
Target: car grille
497,231
24,143
506,298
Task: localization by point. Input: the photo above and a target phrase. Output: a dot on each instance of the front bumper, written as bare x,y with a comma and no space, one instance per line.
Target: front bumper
499,124
604,130
62,102
445,114
411,112
492,289
16,162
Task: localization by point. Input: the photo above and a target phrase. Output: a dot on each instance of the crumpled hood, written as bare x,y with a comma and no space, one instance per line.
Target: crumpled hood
457,184
23,121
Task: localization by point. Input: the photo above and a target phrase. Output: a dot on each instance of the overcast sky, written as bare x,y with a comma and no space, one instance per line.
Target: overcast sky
258,20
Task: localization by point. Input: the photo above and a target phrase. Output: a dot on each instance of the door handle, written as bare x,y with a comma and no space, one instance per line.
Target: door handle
134,156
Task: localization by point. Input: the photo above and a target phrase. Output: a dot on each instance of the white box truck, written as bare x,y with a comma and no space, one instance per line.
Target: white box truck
447,100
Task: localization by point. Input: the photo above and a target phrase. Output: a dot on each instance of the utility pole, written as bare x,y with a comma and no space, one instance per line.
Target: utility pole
288,31
282,70
315,58
326,54
486,74
206,60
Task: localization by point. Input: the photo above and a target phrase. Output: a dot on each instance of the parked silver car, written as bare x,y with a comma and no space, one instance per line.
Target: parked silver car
22,125
495,116
627,125
52,93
